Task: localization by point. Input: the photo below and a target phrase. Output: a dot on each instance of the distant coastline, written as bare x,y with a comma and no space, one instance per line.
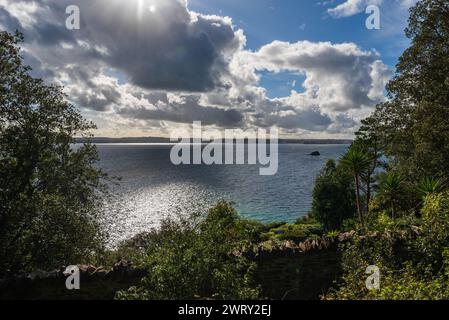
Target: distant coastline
167,140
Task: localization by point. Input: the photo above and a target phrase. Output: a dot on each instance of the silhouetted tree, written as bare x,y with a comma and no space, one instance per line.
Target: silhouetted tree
414,123
357,163
333,197
49,189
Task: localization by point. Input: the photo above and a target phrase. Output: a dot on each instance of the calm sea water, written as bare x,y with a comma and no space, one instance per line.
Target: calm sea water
152,188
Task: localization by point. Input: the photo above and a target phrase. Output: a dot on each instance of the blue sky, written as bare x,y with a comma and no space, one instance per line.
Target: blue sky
294,20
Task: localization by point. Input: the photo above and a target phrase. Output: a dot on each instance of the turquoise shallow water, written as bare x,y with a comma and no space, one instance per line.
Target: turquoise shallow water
152,188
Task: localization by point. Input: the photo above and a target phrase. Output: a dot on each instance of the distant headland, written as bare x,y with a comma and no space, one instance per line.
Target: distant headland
167,140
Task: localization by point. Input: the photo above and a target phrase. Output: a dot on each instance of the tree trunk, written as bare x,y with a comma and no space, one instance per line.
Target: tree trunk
393,211
357,198
368,193
371,172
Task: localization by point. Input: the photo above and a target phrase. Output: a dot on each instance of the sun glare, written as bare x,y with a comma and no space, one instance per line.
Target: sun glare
142,6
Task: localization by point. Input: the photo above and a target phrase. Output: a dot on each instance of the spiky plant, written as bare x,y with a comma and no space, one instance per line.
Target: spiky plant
390,190
430,186
357,162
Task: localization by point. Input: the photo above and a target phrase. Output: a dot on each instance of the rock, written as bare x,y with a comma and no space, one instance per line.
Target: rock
37,275
122,265
100,272
87,269
122,269
55,274
315,154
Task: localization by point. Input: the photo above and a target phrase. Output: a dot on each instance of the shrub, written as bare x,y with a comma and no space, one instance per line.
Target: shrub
333,197
412,255
195,258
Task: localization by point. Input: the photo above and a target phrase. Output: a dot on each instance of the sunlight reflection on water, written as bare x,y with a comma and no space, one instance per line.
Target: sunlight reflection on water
152,188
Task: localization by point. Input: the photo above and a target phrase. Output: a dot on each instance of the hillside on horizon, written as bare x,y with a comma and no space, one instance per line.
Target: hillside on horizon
167,140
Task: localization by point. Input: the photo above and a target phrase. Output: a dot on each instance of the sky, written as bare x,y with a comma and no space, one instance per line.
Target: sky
148,67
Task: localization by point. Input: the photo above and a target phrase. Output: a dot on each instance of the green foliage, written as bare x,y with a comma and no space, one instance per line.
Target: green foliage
49,191
357,162
382,221
293,232
349,225
402,284
413,257
274,225
410,245
333,197
333,234
392,191
196,258
391,185
430,186
434,236
414,124
307,219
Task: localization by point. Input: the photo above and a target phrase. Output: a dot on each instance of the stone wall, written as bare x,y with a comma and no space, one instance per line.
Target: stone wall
302,271
95,284
288,271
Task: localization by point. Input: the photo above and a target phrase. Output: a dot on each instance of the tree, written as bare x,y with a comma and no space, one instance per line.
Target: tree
414,123
333,197
391,189
370,139
413,128
357,163
49,190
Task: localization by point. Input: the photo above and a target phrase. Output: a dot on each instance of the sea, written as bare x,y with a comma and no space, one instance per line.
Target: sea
149,188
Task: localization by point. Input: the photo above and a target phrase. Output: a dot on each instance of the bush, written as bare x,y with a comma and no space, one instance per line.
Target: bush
412,255
434,231
195,258
333,197
293,232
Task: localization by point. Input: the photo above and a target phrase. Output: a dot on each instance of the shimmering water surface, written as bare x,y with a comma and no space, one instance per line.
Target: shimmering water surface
152,188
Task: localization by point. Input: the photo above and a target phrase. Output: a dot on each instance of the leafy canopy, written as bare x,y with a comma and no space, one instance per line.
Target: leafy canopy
49,189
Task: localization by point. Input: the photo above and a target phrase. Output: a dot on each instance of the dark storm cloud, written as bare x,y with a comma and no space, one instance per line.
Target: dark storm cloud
167,48
100,97
188,111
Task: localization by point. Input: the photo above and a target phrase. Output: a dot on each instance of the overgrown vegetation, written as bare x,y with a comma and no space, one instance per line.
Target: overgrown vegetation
404,227
334,201
49,191
412,254
198,258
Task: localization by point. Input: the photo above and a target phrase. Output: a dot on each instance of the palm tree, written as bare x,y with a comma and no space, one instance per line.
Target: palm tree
390,190
357,162
429,186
